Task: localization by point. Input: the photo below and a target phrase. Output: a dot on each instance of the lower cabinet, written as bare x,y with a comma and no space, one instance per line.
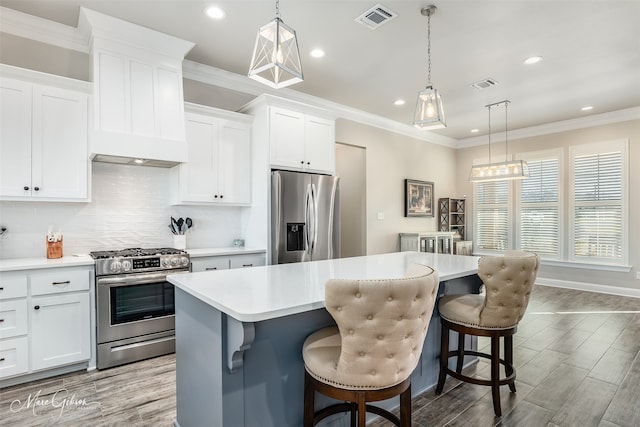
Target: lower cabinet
45,319
59,330
224,262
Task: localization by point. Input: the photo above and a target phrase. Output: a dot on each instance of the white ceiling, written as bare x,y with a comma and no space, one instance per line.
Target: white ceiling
590,50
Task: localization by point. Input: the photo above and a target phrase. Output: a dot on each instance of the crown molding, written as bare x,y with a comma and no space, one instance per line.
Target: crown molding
228,80
42,30
557,127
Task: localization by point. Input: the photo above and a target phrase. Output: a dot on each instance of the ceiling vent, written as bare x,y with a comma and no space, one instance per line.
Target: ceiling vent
376,16
484,84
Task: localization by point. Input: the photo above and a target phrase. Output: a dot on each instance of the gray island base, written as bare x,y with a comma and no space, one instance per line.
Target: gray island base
239,335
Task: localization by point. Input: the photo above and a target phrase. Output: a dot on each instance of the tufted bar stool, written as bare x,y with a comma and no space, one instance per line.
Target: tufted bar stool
508,282
370,355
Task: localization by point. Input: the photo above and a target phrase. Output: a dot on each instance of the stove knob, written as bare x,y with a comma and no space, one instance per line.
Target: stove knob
126,265
174,261
184,261
166,263
115,266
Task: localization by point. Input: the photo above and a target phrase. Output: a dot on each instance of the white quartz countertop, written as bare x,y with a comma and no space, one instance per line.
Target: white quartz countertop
43,262
261,293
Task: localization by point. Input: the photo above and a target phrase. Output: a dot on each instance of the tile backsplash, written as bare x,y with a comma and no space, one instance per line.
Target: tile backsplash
129,208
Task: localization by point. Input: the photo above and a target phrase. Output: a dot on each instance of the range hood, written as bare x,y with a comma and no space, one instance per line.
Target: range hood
138,103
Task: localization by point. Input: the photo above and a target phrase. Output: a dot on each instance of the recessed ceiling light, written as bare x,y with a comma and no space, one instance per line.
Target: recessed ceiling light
317,53
399,102
214,12
533,60
475,130
139,161
587,108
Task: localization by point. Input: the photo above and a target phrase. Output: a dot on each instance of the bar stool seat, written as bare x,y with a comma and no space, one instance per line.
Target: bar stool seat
508,282
370,355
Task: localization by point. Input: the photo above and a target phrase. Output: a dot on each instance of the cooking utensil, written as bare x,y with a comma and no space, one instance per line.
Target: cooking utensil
180,222
189,222
174,225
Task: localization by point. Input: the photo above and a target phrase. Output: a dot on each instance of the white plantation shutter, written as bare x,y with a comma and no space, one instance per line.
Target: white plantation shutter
539,208
598,203
491,229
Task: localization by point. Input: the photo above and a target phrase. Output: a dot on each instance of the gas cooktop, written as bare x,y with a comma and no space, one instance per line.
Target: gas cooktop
135,252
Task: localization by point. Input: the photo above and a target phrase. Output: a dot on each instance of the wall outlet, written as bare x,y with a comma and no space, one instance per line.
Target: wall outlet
380,215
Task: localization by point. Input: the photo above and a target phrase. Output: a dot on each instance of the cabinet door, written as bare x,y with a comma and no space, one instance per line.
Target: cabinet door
286,135
234,163
320,152
60,332
13,318
15,138
198,182
59,158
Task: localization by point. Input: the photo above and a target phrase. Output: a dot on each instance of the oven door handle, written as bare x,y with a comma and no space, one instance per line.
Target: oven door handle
135,279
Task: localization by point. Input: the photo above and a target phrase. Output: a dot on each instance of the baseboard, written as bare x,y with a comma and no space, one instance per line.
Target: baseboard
590,287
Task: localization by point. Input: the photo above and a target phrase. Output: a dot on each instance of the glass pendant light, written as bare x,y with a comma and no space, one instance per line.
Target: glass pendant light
509,169
429,111
276,58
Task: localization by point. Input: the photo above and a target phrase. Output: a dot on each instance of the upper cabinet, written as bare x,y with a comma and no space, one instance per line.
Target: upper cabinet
43,141
300,141
298,137
219,166
138,96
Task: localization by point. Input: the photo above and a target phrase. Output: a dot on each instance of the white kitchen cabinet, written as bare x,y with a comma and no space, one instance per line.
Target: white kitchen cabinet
45,319
225,262
43,143
219,166
59,330
300,141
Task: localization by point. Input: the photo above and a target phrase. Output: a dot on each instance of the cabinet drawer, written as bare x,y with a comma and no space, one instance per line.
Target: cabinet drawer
58,281
252,260
14,357
13,285
13,318
209,263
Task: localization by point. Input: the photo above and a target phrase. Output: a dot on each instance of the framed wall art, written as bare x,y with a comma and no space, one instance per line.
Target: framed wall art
418,198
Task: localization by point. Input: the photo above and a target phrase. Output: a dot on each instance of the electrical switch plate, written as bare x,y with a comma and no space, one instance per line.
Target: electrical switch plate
380,215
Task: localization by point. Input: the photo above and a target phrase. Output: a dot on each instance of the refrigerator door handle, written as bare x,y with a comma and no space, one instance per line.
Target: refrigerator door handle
314,226
307,220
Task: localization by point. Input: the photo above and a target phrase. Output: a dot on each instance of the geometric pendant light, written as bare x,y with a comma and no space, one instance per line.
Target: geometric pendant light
276,59
429,112
509,169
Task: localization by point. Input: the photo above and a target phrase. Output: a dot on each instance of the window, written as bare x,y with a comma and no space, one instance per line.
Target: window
582,218
598,203
539,211
491,230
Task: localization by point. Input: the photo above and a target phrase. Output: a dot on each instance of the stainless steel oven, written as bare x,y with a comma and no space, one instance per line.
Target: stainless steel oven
135,312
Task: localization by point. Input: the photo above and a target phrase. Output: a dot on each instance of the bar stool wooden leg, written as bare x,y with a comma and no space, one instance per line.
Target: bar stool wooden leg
508,357
405,408
495,373
460,358
444,358
362,410
309,404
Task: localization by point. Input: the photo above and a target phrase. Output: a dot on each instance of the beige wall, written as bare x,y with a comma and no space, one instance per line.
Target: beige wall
629,130
390,159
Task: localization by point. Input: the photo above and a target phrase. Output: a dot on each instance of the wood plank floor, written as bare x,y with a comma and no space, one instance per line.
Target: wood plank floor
577,356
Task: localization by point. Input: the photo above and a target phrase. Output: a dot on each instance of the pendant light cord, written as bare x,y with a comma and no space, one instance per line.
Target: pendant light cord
489,107
506,131
429,46
277,8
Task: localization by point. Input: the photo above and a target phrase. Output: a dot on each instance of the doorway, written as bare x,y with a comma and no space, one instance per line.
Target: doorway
351,168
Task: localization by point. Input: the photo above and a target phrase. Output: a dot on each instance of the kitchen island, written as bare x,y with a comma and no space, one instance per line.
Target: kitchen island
239,334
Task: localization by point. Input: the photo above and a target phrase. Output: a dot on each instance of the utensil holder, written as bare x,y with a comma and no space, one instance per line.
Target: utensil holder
54,249
180,241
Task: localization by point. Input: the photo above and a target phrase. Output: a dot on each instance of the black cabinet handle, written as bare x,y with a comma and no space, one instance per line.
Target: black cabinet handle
37,307
26,188
247,265
36,188
1,359
302,162
1,320
66,282
1,288
221,196
210,268
308,163
215,197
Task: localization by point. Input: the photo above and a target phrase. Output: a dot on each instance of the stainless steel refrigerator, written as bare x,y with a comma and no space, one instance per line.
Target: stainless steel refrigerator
304,217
